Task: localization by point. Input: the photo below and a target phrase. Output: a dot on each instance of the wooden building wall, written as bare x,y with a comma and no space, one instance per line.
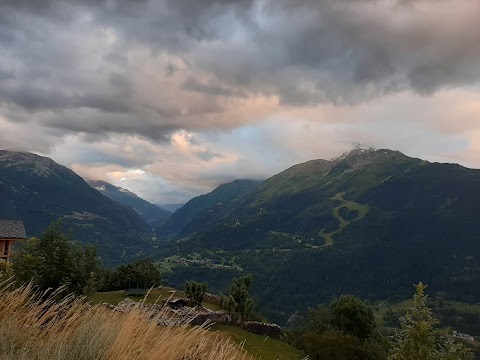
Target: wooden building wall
6,248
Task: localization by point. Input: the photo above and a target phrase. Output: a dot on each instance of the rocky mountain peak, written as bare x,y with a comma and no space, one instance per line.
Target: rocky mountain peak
36,164
360,157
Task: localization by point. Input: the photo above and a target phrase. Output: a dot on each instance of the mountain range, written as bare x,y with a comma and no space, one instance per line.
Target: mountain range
370,223
171,208
39,191
152,214
194,213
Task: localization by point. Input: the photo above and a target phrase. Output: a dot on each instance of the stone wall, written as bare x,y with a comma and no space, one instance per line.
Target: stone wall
271,330
165,316
212,298
217,317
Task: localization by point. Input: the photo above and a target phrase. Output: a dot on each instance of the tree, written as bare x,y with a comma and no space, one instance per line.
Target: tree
139,274
91,285
195,292
238,303
352,316
334,345
343,330
53,260
319,319
420,339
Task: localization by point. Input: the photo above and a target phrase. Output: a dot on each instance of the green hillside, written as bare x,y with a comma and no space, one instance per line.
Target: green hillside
371,223
202,209
39,191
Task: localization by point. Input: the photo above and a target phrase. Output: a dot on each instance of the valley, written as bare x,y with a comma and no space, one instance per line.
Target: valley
368,223
239,180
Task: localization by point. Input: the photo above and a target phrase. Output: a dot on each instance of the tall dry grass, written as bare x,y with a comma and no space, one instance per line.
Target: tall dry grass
35,326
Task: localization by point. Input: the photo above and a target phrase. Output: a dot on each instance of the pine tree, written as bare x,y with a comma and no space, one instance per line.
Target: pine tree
420,339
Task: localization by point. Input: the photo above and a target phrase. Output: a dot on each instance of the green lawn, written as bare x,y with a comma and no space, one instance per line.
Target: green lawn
112,297
261,347
464,306
379,309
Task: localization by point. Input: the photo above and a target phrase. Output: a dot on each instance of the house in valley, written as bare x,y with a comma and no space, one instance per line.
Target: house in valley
10,231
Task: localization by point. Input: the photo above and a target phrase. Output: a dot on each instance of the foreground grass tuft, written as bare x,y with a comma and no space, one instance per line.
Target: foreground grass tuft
35,326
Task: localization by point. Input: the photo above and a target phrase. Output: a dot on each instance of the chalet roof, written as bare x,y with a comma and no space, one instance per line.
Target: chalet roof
12,229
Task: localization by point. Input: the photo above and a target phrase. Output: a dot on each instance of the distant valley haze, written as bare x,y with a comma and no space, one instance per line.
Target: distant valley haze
170,99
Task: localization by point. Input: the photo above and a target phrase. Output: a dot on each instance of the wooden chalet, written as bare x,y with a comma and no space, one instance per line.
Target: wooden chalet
10,231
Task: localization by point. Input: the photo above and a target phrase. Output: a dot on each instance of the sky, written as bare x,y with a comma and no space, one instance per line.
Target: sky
170,98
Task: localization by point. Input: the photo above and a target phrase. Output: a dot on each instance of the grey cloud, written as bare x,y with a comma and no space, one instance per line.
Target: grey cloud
6,74
91,122
170,69
116,59
121,83
6,36
330,51
42,7
209,155
56,9
304,52
192,84
37,98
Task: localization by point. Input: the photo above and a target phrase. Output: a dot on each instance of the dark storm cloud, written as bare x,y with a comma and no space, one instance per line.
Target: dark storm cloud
37,98
324,51
303,52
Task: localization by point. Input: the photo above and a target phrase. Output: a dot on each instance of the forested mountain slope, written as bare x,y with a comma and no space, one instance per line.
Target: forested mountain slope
152,214
198,211
39,191
370,223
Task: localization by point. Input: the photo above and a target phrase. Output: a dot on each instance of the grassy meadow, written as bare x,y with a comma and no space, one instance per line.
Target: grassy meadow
36,326
261,347
257,346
